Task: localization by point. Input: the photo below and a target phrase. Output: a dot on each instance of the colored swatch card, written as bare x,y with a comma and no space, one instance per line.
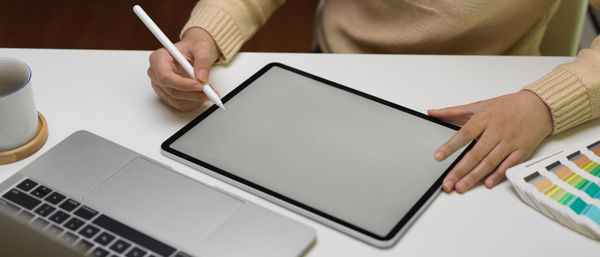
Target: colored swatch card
564,186
595,148
573,179
557,195
584,162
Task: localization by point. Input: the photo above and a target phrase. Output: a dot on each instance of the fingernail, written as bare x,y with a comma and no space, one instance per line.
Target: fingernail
202,75
447,186
490,182
198,87
461,186
438,155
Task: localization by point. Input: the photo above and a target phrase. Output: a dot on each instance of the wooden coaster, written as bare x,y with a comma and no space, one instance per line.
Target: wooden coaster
30,147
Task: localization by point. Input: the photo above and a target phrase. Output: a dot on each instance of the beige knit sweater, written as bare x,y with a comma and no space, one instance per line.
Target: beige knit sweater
512,27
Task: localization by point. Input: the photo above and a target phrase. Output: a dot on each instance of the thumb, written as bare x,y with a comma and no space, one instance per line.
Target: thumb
202,64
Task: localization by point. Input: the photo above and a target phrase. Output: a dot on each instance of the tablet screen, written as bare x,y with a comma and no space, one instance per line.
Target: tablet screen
357,159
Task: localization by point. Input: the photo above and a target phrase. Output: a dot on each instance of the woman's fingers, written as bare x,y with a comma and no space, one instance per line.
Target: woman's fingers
457,115
483,168
180,105
480,150
471,130
499,174
171,83
508,129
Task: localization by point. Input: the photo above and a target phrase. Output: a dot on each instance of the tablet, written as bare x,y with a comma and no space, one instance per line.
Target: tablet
352,161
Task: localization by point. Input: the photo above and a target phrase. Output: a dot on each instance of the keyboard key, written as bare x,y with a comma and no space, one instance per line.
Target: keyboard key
74,224
45,210
25,215
41,191
86,212
133,235
55,230
55,198
136,252
22,199
40,223
104,238
89,231
9,207
69,237
84,245
27,185
99,252
69,205
59,217
120,246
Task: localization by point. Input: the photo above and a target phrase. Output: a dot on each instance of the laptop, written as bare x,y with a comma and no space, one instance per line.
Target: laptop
105,200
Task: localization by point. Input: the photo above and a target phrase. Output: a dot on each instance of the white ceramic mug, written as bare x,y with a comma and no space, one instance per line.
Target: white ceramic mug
18,115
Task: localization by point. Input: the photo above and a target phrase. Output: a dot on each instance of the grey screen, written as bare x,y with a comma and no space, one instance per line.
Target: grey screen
343,154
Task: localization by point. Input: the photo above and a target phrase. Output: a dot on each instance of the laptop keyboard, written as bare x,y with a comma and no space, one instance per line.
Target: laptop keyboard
79,225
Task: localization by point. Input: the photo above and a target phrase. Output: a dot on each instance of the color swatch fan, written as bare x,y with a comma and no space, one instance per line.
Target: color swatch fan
564,186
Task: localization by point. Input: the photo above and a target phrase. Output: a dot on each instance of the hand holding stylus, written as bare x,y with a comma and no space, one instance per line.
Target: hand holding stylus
173,78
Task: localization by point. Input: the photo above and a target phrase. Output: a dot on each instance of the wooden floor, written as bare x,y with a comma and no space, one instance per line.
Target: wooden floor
111,24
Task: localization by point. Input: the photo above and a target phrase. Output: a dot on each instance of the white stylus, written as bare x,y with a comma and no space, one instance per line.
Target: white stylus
175,53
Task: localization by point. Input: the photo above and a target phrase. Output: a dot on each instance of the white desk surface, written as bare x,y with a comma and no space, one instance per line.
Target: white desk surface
109,93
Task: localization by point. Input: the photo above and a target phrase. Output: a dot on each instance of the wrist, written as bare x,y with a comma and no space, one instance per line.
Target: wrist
541,110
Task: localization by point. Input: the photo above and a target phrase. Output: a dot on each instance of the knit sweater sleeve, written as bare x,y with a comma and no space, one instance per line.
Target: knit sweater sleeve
572,90
230,22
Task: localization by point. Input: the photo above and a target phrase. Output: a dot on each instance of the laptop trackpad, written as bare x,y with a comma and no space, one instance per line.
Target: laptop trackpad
162,203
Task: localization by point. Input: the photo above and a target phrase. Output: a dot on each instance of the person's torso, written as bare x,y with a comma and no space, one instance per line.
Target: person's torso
434,26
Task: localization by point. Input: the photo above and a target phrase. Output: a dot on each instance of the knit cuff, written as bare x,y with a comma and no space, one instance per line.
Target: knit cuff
220,26
566,96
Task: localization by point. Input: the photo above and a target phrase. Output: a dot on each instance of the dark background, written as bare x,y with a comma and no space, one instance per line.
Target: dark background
111,24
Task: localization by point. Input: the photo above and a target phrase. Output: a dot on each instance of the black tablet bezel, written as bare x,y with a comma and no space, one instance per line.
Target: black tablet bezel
401,223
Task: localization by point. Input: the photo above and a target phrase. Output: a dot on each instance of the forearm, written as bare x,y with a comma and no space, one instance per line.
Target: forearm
231,22
572,90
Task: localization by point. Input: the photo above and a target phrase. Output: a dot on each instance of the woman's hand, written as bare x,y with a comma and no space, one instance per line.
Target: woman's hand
171,83
507,128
